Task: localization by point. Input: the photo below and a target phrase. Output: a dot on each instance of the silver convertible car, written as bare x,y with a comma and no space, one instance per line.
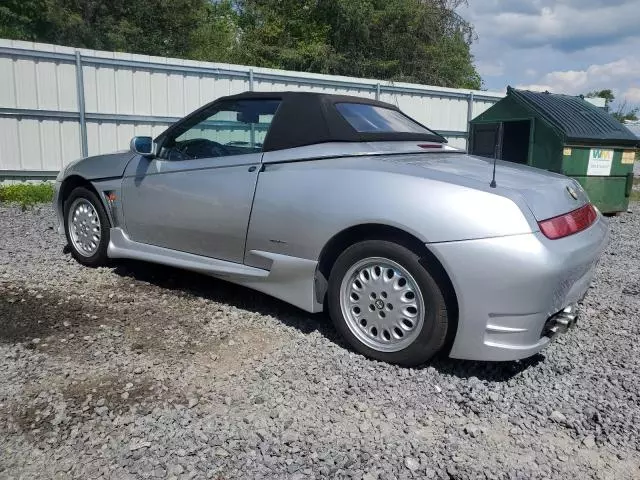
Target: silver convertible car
347,204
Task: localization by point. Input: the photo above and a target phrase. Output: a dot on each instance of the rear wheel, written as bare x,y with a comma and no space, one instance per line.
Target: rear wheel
386,304
87,227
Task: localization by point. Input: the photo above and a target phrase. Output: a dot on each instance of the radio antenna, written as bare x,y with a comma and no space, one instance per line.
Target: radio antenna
497,152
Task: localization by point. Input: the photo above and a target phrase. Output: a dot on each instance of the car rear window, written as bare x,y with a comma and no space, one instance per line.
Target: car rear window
371,118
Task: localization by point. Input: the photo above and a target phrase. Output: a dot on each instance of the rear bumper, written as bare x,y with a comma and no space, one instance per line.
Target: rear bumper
509,287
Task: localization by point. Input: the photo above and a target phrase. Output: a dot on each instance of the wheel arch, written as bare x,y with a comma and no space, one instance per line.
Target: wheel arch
374,231
72,182
99,256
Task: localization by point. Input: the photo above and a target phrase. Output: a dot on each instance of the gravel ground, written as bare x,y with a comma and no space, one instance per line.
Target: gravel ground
141,371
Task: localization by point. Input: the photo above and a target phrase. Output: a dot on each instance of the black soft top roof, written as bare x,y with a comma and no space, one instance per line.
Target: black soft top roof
307,118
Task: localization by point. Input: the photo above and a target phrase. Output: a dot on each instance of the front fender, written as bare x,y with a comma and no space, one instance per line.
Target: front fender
101,166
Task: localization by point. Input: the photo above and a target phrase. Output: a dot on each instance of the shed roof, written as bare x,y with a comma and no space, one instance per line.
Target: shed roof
575,118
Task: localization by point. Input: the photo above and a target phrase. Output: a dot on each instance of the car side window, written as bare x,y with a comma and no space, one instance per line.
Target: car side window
366,118
228,128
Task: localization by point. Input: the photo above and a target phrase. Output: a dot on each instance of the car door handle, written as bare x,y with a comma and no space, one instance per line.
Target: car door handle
252,168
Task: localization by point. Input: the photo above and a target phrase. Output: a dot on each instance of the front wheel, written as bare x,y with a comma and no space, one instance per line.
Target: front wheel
87,227
386,304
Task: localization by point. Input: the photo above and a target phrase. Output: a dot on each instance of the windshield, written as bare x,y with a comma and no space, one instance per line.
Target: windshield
370,118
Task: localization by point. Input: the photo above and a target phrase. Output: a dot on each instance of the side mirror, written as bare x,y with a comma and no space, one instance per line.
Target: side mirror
143,146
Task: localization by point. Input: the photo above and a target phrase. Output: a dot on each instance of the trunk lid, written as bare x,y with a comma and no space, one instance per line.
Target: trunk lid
547,194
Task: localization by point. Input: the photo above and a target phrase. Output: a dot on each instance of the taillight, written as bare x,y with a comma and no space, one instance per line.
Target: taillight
569,223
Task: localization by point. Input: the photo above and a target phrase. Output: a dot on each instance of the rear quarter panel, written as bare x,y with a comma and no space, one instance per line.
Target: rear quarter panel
300,206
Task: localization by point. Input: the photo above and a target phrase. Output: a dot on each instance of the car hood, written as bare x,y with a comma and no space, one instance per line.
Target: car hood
547,194
100,166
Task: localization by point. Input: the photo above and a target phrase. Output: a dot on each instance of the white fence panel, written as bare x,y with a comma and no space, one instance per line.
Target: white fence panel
52,112
480,106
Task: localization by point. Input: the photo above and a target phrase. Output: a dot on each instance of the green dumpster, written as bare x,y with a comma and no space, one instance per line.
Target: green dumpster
563,134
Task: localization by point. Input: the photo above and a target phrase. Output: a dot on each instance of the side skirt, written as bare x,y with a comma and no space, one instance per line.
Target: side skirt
290,279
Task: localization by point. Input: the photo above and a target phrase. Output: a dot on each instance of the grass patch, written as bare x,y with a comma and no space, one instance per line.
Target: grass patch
635,196
26,194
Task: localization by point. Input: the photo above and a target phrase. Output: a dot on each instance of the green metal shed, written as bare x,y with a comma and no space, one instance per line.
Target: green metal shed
562,134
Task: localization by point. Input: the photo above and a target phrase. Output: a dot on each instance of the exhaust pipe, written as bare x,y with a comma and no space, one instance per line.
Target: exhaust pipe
561,321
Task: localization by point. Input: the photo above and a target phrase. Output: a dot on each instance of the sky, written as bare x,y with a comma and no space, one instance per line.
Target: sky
563,46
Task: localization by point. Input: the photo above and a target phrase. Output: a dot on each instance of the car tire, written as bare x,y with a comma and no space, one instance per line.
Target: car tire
86,227
386,304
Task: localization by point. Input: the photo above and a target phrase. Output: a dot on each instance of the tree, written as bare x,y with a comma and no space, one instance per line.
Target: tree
17,19
607,94
284,34
215,37
421,41
141,26
622,113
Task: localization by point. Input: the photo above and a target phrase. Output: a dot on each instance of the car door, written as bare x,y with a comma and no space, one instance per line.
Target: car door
196,195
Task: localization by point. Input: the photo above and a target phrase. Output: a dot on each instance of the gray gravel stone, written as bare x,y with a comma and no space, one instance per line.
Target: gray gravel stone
411,463
175,469
589,441
168,374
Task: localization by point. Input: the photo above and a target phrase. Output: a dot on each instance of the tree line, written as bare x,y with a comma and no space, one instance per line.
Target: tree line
420,41
622,113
